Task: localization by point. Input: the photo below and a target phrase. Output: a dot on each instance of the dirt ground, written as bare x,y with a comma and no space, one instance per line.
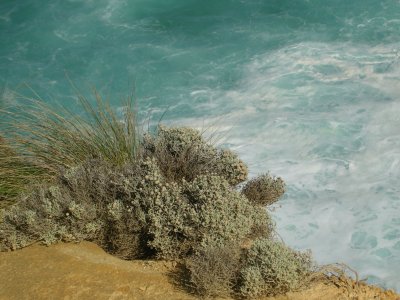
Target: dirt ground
85,271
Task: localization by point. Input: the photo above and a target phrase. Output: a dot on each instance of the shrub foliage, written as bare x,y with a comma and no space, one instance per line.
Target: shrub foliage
271,268
172,195
213,269
182,153
264,190
206,211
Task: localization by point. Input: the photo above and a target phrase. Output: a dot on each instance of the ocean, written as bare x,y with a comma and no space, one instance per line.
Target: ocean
307,90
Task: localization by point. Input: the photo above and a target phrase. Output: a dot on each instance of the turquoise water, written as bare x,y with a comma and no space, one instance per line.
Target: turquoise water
307,89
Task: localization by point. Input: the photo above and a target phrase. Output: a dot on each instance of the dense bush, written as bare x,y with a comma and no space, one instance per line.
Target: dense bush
94,201
48,214
266,268
132,209
182,153
207,211
110,192
264,189
270,268
174,198
213,269
229,166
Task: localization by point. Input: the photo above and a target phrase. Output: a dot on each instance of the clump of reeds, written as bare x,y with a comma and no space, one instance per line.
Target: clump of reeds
15,174
39,139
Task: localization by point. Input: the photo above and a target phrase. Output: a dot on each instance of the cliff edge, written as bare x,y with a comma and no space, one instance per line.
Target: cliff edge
84,271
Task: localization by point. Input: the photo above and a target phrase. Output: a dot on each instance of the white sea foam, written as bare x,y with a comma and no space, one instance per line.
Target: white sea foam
326,118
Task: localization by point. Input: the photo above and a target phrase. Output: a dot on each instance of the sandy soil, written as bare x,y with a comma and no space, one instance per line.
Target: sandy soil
85,271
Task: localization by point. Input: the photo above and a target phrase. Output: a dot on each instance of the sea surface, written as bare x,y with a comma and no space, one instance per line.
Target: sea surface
306,89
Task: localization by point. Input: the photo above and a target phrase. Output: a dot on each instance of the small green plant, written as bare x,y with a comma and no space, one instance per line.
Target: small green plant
271,268
264,190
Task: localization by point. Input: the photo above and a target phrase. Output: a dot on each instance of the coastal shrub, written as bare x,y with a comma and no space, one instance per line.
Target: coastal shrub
231,167
48,214
52,138
172,196
182,153
94,201
114,192
133,210
270,268
126,197
264,190
205,210
213,269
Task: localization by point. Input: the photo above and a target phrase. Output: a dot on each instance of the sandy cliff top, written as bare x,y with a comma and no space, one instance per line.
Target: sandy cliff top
85,271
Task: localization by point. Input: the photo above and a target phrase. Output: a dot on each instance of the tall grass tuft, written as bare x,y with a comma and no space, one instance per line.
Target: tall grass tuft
15,174
39,139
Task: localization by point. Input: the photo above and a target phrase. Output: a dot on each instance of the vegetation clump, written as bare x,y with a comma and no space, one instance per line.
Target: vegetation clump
182,153
213,269
40,140
271,268
169,195
15,173
206,211
264,190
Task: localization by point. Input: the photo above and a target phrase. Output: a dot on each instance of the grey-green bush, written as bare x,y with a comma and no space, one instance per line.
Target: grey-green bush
93,201
231,167
132,211
48,214
176,199
129,210
264,190
111,190
213,269
271,268
207,210
182,153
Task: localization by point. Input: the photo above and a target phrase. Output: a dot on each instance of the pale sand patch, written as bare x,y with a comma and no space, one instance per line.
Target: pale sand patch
85,271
